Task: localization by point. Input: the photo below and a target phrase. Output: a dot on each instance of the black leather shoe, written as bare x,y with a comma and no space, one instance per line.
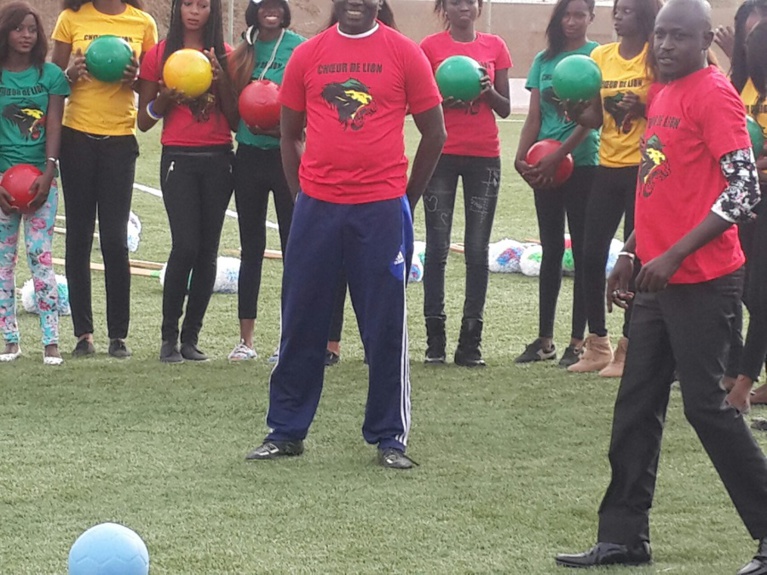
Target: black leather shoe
275,449
757,565
608,554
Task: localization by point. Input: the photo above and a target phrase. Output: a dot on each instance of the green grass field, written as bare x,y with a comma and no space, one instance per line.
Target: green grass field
513,459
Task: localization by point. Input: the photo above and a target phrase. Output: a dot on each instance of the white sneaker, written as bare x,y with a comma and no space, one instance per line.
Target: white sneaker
10,356
242,352
47,360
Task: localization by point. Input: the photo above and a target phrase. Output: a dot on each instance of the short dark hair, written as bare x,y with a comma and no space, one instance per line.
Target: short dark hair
385,15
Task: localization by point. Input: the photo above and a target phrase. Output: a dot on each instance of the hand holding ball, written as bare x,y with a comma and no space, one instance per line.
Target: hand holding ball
577,78
259,105
18,181
107,57
459,78
541,149
188,72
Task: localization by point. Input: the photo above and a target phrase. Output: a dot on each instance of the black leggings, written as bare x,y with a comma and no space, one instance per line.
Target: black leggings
97,174
256,173
611,196
755,298
551,207
196,188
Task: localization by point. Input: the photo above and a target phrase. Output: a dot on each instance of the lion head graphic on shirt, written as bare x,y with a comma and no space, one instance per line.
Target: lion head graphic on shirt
352,100
654,167
29,119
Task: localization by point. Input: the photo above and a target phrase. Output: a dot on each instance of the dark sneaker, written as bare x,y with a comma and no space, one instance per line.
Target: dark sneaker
535,352
435,357
84,348
331,358
394,459
169,353
118,349
436,341
191,352
275,449
571,356
468,357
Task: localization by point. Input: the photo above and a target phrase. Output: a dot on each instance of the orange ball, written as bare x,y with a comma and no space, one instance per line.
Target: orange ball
188,72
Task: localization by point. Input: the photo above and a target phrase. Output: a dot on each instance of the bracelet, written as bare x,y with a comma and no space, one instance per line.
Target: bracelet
55,161
152,114
629,255
66,76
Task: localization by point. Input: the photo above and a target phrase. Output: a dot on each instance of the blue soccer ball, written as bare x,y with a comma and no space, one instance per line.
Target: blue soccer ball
109,549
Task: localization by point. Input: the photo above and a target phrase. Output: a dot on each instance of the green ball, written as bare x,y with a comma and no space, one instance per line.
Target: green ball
459,77
568,262
107,57
577,78
757,135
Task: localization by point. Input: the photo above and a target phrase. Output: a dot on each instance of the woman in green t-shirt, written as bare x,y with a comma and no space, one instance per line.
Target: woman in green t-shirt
32,94
566,35
263,55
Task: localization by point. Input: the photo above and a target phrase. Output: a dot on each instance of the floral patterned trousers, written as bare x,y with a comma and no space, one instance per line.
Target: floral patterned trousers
38,233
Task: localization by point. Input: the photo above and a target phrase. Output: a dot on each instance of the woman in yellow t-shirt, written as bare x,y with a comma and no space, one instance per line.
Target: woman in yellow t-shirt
98,159
620,111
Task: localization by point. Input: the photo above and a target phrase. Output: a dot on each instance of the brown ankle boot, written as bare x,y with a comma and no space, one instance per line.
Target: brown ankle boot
615,368
597,354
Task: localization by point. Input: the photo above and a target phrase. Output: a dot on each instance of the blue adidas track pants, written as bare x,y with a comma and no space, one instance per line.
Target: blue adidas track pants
373,243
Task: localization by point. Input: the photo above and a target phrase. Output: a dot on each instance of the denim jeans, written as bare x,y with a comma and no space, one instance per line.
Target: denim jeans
481,181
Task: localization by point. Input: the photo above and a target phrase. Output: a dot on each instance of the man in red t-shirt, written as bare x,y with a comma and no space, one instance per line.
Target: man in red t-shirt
697,178
351,86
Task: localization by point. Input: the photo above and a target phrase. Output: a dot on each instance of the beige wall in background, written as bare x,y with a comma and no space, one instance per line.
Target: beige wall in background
521,25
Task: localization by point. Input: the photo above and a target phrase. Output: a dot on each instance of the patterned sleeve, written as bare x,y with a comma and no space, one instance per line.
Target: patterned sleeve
737,202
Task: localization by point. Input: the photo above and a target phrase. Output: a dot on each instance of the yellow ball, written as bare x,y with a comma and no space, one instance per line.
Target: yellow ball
189,72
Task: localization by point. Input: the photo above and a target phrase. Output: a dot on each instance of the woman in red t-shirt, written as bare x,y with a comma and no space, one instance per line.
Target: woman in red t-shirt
195,172
472,153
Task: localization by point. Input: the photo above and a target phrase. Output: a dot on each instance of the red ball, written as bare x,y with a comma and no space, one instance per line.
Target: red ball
541,149
17,181
259,105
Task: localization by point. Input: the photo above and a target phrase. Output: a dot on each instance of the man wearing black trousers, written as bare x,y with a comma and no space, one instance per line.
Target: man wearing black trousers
697,178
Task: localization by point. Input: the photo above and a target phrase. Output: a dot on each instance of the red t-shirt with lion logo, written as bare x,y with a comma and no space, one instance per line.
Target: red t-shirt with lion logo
356,93
691,123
